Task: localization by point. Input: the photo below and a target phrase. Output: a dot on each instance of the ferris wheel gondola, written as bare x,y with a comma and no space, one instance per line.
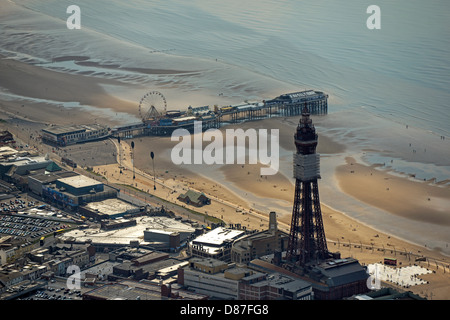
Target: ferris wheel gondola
153,106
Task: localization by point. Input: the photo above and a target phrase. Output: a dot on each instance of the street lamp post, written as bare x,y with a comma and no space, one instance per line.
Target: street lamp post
120,154
132,157
152,155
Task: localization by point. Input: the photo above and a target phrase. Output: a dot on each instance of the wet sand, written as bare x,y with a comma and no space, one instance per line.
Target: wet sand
236,188
34,82
409,199
345,234
415,200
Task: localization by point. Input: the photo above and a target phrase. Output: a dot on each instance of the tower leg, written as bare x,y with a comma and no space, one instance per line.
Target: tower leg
307,240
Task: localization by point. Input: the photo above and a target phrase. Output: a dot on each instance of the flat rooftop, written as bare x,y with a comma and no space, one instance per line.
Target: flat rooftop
20,161
134,290
6,151
57,130
123,236
185,118
61,130
208,262
79,181
302,94
218,236
110,206
280,281
51,177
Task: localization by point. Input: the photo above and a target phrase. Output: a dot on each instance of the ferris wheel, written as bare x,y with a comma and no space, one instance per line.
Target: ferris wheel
152,106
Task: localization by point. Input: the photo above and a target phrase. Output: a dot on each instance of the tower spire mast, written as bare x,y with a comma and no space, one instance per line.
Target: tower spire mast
307,240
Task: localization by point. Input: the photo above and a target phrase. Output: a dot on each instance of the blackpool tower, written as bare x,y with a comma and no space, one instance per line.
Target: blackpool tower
307,242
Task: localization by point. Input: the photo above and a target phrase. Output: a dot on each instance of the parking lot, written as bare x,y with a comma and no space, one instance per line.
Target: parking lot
56,294
13,205
27,226
56,290
22,226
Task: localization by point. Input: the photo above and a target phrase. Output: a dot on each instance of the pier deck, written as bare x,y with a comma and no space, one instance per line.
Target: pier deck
286,105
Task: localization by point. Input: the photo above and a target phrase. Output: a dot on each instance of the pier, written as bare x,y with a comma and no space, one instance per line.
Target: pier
286,105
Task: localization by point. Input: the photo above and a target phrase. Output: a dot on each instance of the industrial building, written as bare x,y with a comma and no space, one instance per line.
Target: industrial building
67,135
216,244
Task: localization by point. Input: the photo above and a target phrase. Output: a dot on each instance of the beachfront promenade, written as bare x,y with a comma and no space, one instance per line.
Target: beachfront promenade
171,190
365,251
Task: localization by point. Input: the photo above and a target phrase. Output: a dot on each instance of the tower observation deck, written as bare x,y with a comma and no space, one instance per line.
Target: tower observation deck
307,242
307,253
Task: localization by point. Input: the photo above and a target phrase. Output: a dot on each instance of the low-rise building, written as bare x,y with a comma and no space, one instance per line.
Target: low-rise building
67,135
140,290
275,286
163,240
117,224
260,243
6,253
333,279
10,277
220,280
13,275
194,198
140,264
59,257
6,138
135,233
37,182
22,164
112,208
206,276
72,192
216,243
387,294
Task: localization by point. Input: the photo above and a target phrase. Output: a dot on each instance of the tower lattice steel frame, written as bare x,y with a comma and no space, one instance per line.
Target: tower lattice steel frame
307,242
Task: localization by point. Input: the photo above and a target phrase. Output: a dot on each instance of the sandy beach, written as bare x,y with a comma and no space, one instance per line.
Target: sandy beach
240,194
345,234
419,201
242,183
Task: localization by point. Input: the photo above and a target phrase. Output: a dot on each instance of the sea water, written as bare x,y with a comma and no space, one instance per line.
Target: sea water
378,81
400,71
